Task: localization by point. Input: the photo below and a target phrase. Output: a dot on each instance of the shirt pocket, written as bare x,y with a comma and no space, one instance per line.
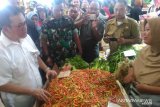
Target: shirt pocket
19,66
111,30
126,32
33,56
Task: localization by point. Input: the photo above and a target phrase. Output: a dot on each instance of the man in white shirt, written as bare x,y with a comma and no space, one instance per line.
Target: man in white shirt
20,81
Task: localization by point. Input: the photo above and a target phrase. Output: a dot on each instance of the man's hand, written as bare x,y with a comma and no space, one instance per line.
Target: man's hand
51,73
121,41
106,39
140,87
84,18
81,21
129,78
41,95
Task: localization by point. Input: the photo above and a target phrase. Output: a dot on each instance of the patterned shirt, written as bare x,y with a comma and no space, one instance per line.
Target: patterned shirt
59,35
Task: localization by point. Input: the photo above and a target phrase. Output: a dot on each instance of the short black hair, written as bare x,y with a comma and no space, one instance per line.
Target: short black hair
6,13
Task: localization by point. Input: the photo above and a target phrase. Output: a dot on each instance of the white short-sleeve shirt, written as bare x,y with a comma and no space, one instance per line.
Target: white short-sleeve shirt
19,66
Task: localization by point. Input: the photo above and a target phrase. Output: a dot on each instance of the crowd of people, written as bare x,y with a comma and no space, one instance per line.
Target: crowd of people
35,44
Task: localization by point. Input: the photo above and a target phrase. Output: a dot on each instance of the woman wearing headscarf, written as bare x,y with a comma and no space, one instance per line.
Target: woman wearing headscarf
42,15
145,73
31,20
33,31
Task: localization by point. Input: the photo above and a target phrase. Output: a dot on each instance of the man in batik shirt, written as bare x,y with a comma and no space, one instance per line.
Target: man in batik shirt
59,37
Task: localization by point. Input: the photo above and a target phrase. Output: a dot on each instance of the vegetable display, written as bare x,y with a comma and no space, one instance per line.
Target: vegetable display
77,62
101,64
117,57
84,88
110,64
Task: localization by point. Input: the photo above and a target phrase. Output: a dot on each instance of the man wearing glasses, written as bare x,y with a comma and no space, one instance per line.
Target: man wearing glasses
20,81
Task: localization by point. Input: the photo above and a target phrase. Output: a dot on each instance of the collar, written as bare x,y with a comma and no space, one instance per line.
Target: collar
6,41
125,20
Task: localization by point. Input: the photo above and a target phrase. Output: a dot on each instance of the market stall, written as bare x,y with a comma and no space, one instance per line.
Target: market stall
86,85
86,88
91,85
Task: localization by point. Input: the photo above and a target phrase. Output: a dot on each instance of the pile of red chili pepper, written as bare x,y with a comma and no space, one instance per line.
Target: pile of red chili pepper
84,88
